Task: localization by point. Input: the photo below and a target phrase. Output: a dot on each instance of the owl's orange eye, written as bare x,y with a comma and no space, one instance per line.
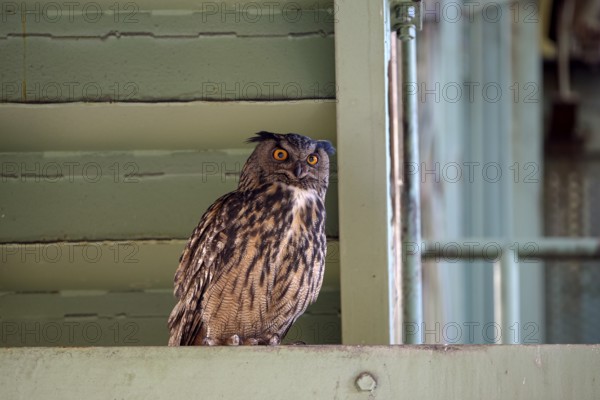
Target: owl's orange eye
312,159
280,154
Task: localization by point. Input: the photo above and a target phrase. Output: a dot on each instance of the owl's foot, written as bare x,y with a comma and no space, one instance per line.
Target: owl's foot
233,340
207,341
274,340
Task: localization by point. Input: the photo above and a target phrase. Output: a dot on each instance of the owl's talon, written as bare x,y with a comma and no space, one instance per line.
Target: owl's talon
210,342
274,340
233,340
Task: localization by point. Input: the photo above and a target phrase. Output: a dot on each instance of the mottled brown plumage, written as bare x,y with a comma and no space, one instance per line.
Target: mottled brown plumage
256,259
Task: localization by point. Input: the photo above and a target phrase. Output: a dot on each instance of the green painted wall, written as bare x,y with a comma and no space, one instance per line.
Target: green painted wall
97,200
137,52
118,195
126,318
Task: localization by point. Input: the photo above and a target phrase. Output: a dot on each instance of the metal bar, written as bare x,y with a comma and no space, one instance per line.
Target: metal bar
510,305
492,249
527,134
412,299
497,292
395,279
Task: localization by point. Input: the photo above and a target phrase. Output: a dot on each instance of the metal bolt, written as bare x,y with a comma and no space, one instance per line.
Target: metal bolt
411,12
406,13
407,32
365,382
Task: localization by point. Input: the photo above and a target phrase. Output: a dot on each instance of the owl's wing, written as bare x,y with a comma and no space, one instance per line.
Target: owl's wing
199,264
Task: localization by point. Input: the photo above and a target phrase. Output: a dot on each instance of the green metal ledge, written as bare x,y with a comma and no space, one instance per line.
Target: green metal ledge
301,372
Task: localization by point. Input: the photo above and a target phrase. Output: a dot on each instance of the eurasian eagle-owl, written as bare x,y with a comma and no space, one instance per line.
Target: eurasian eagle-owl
256,259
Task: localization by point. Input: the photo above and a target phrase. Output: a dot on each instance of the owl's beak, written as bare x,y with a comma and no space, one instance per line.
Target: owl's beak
300,171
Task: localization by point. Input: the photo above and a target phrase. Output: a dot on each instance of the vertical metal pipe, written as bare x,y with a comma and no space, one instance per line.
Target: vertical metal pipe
498,292
395,279
412,297
509,267
509,318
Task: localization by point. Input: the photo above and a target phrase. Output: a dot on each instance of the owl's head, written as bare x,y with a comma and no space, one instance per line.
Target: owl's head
291,159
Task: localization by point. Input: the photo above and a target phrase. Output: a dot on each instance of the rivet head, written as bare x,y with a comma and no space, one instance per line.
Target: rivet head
365,382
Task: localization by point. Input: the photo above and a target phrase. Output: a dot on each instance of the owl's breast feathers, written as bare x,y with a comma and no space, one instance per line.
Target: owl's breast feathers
252,266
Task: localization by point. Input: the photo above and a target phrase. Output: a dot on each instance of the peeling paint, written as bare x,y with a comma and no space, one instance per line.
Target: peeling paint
538,357
443,348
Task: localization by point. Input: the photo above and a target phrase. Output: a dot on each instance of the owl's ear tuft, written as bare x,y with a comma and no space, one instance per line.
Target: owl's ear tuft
262,136
326,146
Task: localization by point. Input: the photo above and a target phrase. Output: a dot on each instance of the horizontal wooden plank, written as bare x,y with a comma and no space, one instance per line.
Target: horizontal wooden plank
295,372
185,5
161,126
88,303
121,195
91,331
137,331
145,68
105,304
116,266
101,19
138,318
